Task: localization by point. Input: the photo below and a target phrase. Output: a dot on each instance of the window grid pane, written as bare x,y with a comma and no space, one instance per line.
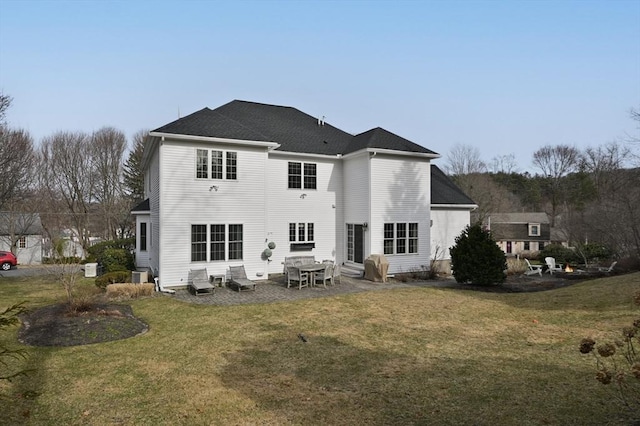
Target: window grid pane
143,236
388,238
198,243
301,232
235,242
309,231
309,176
216,164
292,232
232,165
350,242
201,164
413,238
217,242
295,175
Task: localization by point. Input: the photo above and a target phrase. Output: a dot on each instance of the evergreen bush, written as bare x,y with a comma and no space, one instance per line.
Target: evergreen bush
477,259
560,253
114,255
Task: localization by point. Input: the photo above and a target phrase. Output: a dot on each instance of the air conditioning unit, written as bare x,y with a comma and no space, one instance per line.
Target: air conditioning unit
139,277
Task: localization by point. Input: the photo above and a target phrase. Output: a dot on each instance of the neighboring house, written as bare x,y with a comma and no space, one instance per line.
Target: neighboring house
519,233
222,184
23,231
450,215
68,244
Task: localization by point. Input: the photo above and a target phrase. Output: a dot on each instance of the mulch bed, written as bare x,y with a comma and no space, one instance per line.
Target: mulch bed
54,325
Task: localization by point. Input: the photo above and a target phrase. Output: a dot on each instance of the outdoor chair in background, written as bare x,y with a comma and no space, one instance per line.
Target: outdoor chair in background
294,274
199,282
326,275
239,279
533,269
609,269
553,267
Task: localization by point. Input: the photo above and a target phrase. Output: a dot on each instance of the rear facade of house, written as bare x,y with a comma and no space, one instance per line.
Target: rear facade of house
223,184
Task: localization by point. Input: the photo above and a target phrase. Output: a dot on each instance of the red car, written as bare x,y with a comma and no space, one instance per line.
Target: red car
7,260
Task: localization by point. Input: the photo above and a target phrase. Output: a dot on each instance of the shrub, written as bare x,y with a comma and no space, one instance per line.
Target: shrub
114,255
115,259
129,291
476,258
113,277
560,253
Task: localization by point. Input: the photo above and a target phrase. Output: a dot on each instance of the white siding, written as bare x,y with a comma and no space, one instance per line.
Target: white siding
448,223
400,192
142,257
322,207
153,178
31,254
187,201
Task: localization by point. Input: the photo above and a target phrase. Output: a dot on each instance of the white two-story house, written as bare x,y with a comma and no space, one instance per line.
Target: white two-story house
222,184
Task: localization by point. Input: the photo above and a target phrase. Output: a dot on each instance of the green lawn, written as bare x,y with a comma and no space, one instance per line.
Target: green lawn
407,356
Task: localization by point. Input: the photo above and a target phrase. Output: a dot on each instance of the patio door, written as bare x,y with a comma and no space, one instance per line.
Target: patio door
355,243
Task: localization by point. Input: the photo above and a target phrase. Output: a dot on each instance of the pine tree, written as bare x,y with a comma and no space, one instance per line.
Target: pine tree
133,174
477,259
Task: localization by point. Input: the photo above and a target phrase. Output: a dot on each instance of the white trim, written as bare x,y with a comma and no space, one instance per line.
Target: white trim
454,206
164,136
302,154
391,152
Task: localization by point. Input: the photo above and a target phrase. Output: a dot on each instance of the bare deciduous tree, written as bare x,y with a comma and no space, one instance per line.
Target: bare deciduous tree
16,164
107,151
504,164
67,175
464,160
555,162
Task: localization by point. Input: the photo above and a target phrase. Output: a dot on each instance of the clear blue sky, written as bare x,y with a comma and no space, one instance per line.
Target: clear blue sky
507,77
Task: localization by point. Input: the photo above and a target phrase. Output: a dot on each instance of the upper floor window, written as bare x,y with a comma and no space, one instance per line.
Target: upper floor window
302,175
22,242
400,238
534,229
210,163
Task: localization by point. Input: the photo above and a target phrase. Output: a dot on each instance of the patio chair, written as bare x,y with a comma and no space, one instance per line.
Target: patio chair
609,269
533,269
199,282
239,279
336,274
294,274
553,267
326,275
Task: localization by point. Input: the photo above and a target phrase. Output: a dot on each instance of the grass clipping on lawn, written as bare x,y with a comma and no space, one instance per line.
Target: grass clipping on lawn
403,356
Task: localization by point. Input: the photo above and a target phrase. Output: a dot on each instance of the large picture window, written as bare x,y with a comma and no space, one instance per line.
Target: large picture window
223,164
216,242
298,179
400,238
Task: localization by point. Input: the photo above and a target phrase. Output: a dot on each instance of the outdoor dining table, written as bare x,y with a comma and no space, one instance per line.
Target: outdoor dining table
312,268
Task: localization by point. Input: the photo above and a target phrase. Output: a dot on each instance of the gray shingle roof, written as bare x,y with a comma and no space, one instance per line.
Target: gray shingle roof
444,190
144,206
294,130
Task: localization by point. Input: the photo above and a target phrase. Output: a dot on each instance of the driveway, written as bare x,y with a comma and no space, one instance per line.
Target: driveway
32,270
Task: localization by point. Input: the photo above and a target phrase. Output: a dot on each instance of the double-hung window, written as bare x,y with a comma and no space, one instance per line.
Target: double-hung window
216,164
534,229
303,175
216,242
400,238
